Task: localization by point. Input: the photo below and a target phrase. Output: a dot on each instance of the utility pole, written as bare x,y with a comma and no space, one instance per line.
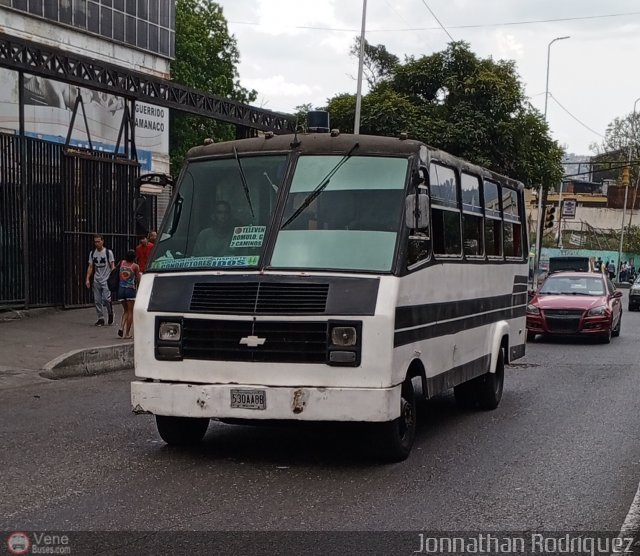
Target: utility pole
541,190
626,172
356,123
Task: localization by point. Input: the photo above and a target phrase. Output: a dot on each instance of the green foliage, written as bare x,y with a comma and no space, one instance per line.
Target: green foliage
622,135
206,59
378,63
471,107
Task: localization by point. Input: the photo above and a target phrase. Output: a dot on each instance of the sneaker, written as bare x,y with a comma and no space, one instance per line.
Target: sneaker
110,321
99,322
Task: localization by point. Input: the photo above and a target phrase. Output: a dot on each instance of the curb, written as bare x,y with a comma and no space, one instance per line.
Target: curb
10,315
90,362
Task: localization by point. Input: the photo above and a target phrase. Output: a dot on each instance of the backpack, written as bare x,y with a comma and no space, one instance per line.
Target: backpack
114,278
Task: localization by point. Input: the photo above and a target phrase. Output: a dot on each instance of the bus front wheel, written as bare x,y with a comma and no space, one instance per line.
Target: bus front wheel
181,431
395,438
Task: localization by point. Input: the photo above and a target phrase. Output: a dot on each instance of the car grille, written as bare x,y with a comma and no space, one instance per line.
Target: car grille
563,320
285,342
260,298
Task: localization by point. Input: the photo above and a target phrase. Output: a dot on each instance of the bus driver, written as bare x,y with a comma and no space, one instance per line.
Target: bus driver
215,240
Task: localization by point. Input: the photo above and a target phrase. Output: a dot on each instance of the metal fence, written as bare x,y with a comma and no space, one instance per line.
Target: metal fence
53,199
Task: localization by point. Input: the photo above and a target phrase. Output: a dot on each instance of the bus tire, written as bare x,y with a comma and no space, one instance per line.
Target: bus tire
465,394
181,431
490,389
394,439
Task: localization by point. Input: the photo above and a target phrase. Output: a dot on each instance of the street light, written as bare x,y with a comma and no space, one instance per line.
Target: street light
626,187
540,190
356,123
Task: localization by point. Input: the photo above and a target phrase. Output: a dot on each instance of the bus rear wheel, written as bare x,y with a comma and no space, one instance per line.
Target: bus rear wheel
484,391
395,438
181,431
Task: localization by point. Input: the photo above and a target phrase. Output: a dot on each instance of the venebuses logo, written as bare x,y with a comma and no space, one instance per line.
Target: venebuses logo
18,543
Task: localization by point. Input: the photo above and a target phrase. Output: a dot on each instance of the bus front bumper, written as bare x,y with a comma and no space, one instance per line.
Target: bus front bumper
269,402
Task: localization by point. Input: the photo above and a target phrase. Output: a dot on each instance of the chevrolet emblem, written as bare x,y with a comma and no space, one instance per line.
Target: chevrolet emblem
252,341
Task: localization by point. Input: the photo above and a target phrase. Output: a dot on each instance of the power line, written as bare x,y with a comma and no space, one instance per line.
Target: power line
475,26
439,22
396,11
576,119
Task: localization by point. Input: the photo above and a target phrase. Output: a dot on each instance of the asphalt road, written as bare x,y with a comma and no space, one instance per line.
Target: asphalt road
562,452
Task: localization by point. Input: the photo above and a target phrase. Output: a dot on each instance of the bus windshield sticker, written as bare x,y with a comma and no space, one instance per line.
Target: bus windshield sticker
205,262
248,236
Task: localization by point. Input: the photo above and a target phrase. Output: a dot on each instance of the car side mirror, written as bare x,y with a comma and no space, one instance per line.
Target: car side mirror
617,294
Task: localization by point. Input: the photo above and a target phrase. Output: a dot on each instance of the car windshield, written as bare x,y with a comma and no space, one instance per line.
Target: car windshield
220,214
573,285
352,224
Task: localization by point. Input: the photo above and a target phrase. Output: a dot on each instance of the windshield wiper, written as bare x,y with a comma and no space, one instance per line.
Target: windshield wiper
243,179
319,188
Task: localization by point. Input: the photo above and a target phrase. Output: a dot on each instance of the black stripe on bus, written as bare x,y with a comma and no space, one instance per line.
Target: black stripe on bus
520,288
457,375
437,330
520,279
416,315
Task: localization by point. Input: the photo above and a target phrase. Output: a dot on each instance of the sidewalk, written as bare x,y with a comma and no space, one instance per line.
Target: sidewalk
60,343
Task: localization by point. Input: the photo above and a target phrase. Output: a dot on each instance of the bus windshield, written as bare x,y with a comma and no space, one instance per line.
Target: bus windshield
352,224
225,207
220,215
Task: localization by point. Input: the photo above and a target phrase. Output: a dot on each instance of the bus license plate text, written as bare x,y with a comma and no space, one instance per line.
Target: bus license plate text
248,399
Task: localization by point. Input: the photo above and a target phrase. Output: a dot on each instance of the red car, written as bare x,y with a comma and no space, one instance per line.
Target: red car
575,304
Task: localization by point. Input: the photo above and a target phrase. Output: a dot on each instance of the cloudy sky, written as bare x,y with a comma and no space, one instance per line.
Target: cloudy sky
297,51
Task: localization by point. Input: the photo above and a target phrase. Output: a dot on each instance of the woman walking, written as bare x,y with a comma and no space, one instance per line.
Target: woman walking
129,279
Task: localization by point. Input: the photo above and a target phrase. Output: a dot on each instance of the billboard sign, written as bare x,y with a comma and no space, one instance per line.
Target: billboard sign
569,208
49,108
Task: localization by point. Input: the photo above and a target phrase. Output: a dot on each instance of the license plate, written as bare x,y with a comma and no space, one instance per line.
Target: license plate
248,399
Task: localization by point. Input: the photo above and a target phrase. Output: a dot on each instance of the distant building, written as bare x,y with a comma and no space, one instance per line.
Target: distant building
136,35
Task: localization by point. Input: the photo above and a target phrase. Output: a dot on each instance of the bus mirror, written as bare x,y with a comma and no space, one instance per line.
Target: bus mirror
417,211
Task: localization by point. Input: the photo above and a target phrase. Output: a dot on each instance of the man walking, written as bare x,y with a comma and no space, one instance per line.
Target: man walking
101,263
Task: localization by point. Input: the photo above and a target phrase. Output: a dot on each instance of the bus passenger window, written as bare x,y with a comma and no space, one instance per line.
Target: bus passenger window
472,227
493,219
445,211
512,224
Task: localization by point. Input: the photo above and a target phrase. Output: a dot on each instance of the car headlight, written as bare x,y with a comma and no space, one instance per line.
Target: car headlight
344,336
598,311
170,332
532,310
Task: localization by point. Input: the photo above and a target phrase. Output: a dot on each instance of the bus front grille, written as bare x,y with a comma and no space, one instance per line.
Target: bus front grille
267,342
262,298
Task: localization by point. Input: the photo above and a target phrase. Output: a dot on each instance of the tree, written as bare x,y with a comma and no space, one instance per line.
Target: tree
378,63
621,134
206,59
471,107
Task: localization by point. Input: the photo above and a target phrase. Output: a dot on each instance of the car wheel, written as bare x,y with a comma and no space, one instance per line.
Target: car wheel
606,337
181,431
531,336
616,331
394,439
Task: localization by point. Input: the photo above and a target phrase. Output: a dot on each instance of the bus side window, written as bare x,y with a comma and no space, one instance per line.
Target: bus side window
445,211
472,228
512,224
492,219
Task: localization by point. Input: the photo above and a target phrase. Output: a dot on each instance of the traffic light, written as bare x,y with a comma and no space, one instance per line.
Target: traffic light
550,216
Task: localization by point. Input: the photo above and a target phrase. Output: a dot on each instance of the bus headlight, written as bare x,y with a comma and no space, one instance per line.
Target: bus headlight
344,343
344,336
170,332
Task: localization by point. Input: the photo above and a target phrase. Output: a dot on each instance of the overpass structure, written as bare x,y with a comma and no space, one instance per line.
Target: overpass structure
33,58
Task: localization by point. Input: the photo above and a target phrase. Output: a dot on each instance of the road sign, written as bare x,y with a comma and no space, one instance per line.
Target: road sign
569,207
